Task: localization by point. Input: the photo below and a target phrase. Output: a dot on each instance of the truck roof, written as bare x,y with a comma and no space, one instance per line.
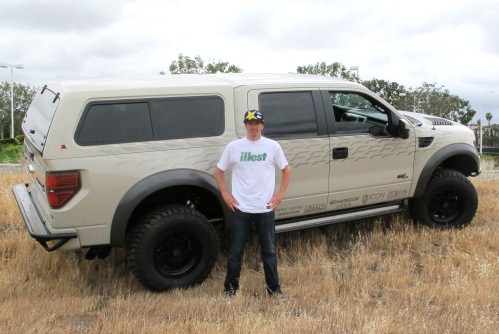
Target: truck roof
194,80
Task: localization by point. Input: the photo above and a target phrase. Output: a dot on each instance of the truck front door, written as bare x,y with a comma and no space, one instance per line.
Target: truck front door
369,164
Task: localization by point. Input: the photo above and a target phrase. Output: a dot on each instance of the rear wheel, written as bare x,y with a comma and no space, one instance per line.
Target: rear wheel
172,246
450,201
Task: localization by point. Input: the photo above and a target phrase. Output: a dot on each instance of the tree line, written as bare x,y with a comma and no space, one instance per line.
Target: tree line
429,98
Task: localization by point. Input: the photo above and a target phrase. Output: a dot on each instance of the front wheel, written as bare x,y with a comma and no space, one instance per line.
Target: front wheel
450,201
171,247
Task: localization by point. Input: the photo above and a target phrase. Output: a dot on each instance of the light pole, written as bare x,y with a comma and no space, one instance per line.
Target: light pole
481,131
356,69
18,66
481,124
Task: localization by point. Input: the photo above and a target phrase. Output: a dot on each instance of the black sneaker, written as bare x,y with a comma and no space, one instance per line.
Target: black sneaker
277,294
230,293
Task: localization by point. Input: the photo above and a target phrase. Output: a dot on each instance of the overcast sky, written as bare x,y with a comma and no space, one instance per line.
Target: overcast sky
454,43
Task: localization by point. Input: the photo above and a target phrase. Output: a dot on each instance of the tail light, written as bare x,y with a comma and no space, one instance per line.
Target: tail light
61,187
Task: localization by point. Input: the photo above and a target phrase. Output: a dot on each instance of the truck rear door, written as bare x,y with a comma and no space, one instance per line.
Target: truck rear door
36,125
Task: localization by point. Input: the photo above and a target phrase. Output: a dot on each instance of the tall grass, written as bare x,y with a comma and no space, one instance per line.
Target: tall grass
378,276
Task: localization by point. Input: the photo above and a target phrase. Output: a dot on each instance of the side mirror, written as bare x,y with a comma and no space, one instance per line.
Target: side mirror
403,129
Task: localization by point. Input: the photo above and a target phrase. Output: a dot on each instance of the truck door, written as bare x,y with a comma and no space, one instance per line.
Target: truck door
369,164
296,119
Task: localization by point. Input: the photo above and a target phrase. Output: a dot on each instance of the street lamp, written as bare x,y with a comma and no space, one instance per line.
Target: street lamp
481,131
18,66
481,124
356,69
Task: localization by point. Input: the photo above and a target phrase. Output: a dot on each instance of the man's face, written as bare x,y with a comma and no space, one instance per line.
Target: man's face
253,129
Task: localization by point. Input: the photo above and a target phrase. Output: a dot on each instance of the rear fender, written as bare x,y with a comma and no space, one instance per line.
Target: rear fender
152,184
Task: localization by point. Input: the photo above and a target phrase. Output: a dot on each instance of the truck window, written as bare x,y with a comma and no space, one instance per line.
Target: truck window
187,117
356,114
115,123
39,116
288,114
154,119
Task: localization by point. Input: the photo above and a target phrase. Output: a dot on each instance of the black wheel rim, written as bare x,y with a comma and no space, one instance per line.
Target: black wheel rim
445,206
177,255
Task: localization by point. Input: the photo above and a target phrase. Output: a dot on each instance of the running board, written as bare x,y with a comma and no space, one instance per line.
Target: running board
339,218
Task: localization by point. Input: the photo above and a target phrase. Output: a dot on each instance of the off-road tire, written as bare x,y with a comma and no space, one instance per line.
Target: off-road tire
172,247
450,201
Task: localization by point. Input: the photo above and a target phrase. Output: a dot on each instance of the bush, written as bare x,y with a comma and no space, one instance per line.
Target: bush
11,153
20,139
9,141
11,149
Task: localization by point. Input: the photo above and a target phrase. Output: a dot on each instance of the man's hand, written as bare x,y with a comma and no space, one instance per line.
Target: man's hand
230,200
227,196
275,201
277,198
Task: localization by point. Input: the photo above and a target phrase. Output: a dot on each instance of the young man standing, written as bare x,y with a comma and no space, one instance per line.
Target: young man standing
253,160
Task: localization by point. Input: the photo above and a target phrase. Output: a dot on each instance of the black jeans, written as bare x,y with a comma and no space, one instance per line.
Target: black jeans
240,228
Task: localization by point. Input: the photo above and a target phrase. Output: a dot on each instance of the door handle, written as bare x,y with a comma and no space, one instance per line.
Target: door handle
340,152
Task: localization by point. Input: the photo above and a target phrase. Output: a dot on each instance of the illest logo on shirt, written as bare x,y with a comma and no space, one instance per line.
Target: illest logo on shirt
248,156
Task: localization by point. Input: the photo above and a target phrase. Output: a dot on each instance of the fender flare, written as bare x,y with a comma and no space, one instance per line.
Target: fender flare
153,183
471,166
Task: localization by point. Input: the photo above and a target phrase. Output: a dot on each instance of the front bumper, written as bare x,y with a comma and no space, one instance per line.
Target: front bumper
34,223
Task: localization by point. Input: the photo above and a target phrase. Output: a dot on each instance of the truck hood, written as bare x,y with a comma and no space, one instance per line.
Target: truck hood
429,127
427,121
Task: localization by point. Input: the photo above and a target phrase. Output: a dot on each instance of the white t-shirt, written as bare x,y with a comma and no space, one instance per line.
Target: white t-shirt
253,171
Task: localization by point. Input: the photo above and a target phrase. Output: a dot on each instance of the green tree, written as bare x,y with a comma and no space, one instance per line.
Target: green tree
23,95
335,69
438,101
488,117
196,65
491,137
222,67
395,94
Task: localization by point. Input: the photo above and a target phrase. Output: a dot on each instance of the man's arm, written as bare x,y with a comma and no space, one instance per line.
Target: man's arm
277,198
227,196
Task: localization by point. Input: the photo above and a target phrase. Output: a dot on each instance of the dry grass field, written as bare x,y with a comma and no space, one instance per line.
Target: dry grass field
382,276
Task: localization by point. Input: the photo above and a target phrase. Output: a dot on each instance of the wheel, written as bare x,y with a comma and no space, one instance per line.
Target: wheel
171,247
450,201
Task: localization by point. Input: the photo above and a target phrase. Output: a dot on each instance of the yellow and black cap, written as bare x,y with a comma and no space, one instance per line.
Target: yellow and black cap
253,115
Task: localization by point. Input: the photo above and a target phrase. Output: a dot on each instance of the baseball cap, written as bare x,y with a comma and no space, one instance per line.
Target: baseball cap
253,115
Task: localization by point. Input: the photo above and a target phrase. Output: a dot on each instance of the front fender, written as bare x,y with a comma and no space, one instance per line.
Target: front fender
461,157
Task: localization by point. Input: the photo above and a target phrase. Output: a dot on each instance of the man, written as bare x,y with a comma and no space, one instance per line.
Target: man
253,160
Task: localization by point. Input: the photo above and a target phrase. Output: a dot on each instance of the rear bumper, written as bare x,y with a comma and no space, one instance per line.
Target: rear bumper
34,223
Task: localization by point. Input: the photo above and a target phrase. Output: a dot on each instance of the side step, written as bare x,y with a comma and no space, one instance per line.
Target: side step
286,226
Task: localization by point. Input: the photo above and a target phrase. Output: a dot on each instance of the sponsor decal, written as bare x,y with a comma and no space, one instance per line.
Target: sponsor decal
287,211
373,197
397,193
315,208
344,202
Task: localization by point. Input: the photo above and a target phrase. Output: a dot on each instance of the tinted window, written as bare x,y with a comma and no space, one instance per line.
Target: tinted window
187,117
288,114
115,123
134,121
